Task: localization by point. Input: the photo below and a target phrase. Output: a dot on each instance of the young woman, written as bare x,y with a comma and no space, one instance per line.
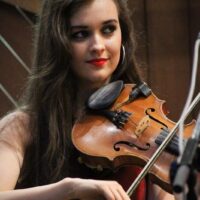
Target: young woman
80,47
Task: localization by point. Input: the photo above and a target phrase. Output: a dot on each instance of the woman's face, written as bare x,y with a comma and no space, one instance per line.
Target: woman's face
95,37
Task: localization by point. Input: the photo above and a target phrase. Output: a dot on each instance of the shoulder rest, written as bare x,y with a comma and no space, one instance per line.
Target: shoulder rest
105,96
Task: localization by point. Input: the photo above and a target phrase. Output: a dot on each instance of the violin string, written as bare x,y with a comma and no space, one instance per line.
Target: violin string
190,95
132,122
134,125
127,131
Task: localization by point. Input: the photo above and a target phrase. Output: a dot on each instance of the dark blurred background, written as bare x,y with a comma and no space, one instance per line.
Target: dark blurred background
166,33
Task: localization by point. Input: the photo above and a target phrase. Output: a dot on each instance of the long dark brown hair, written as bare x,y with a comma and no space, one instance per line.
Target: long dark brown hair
50,94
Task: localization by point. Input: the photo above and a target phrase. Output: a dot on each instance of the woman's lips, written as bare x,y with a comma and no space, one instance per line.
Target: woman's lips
98,62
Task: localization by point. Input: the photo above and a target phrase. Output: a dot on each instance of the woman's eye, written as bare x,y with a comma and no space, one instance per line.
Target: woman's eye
80,35
109,29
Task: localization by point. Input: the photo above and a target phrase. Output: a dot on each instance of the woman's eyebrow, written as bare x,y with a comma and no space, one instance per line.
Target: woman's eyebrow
86,27
110,21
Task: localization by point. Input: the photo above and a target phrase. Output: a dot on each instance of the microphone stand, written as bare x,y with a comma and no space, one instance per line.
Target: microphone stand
183,174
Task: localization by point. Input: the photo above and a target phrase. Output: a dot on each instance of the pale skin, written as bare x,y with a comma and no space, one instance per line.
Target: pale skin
92,38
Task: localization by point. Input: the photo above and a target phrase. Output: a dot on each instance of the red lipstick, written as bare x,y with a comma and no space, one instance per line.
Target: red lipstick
99,62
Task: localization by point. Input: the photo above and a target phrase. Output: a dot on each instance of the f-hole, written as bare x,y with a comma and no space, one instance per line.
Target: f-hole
151,110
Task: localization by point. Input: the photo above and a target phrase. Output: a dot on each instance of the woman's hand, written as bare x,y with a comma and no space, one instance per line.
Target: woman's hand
87,189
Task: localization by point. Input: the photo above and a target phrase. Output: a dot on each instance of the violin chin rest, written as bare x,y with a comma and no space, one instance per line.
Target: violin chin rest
105,96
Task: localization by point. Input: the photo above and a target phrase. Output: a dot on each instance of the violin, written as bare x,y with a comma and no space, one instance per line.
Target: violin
125,124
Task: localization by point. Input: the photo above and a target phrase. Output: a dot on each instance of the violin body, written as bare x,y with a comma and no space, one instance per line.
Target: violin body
104,145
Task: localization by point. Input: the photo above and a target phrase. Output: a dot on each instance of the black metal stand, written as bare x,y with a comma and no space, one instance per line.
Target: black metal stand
183,174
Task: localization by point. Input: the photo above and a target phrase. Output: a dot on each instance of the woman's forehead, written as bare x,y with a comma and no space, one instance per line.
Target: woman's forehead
101,10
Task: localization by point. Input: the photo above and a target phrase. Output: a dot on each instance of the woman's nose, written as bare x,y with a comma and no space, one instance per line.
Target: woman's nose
97,45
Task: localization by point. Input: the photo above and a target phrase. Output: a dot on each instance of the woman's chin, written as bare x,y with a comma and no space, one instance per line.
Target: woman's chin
94,82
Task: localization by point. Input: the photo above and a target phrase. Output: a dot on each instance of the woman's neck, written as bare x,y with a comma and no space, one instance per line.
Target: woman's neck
84,90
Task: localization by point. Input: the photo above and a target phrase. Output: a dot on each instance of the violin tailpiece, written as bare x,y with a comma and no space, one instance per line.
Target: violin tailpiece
172,147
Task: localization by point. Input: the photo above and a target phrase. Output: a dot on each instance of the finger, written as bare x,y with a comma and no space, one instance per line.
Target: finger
108,193
120,193
116,194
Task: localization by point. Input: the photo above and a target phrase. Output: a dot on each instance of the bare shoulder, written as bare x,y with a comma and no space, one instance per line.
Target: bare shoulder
13,117
14,138
14,129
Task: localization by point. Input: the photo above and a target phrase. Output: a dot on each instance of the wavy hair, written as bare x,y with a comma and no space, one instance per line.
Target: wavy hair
49,96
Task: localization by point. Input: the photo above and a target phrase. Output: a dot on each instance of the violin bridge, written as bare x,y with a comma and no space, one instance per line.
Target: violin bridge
143,124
